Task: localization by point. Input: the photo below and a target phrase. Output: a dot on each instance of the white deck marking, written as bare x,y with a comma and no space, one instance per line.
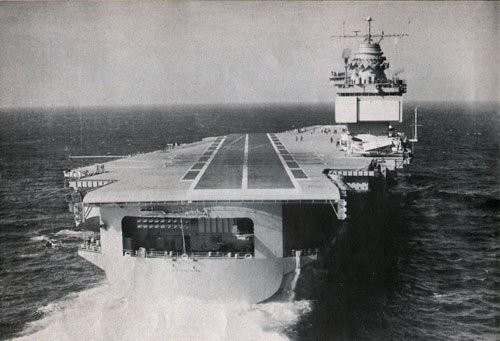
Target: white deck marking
190,169
283,162
235,140
244,176
258,146
205,166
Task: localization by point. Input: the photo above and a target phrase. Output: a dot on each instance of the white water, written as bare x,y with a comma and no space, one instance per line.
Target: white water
97,314
293,285
74,234
39,238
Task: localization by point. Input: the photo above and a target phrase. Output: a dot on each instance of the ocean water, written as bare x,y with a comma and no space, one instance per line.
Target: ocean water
422,264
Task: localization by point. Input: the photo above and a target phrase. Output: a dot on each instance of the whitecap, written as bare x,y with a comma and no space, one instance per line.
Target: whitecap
39,238
49,308
74,234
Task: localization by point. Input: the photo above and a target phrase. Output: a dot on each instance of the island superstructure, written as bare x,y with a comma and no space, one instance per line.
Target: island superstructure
229,217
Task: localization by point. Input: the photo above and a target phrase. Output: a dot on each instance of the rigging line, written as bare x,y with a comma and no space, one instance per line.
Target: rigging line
183,239
333,207
44,195
87,211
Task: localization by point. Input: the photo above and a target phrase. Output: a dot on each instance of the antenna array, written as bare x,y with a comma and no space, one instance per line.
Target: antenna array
367,37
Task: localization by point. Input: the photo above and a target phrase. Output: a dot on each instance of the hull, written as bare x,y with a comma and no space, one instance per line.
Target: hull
248,280
251,274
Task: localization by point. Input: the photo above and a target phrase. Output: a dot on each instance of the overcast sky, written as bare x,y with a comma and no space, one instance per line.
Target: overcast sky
129,53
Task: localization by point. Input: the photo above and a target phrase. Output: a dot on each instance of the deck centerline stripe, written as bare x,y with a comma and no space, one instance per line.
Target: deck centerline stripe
283,162
207,163
244,175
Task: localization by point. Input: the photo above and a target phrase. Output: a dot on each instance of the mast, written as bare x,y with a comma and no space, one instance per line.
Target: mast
369,37
415,125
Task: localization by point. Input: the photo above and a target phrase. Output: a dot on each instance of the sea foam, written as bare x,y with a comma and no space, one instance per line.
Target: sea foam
100,314
39,238
74,234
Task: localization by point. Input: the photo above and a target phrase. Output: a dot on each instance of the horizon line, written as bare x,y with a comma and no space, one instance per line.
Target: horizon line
222,104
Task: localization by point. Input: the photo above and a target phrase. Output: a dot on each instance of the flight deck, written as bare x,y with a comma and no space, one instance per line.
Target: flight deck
286,166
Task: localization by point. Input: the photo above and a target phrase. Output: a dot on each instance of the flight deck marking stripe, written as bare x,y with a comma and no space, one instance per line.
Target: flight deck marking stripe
288,171
188,176
244,176
202,171
295,167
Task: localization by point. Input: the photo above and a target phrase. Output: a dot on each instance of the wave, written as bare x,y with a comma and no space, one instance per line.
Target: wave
98,313
39,238
74,234
49,308
64,234
480,198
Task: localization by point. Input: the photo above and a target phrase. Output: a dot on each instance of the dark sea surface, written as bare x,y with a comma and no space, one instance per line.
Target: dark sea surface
421,264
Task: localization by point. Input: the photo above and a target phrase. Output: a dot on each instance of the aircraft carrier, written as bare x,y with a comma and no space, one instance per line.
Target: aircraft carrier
228,217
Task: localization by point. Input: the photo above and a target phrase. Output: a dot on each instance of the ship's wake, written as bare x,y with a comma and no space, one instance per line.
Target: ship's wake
99,314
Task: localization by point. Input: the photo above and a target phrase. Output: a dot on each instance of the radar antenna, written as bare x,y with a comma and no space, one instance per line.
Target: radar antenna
346,54
367,37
